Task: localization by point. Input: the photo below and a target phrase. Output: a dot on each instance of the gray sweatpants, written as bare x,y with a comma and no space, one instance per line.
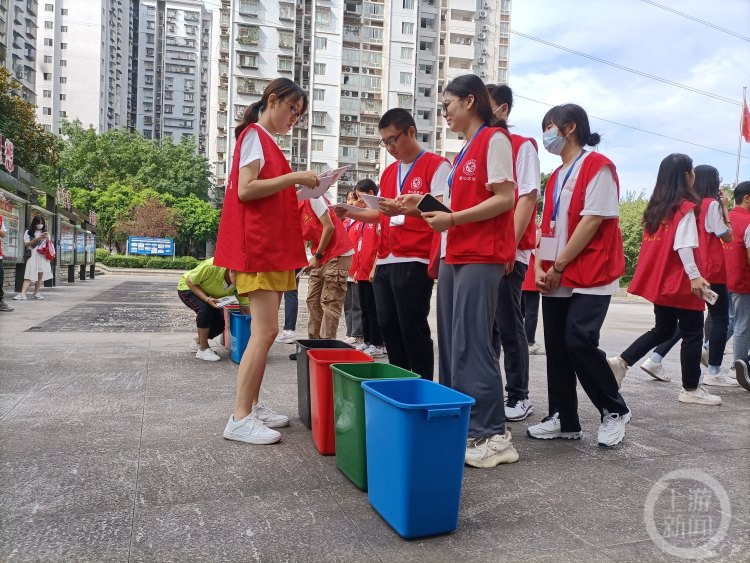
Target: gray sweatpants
466,306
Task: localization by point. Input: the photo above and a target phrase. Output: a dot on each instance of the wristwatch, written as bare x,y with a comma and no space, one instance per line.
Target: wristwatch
319,255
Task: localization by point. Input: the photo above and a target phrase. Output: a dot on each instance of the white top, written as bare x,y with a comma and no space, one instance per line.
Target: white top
686,235
601,200
320,208
438,187
499,170
714,220
746,237
528,178
251,149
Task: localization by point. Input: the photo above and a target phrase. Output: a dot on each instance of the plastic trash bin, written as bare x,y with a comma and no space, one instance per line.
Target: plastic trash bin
416,443
227,332
349,414
321,393
303,373
239,335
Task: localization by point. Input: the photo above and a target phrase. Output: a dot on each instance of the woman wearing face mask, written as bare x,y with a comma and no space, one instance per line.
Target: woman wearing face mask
477,240
579,261
37,267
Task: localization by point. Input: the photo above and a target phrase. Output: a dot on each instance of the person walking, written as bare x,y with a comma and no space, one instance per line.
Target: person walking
38,266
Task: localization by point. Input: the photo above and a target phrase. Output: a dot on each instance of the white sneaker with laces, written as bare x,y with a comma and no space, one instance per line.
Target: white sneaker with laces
349,340
699,396
269,417
286,337
250,430
491,450
612,429
655,370
704,356
374,351
719,380
619,368
518,410
535,349
20,297
208,355
38,296
362,346
549,429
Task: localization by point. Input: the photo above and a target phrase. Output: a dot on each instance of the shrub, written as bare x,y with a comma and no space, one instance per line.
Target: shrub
154,262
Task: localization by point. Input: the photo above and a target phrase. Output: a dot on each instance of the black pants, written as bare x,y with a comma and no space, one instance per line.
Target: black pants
571,335
370,329
402,296
667,319
206,316
530,306
2,280
717,335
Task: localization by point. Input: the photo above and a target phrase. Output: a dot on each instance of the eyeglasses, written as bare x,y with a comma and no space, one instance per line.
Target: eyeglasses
446,105
295,112
392,140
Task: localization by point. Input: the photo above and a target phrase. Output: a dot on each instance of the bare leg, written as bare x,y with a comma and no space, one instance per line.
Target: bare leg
264,327
25,286
203,338
38,284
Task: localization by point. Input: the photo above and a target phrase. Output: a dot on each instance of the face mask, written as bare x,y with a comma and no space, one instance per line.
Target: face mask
552,142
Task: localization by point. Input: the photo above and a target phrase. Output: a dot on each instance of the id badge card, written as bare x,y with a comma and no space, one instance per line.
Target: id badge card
547,248
359,245
397,221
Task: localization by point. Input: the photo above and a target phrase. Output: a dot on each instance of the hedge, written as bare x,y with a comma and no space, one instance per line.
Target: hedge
154,262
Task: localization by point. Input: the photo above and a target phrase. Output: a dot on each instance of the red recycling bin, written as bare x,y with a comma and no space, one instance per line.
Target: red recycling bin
321,392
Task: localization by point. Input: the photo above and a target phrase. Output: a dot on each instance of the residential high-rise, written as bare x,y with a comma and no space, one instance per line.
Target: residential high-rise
356,60
18,35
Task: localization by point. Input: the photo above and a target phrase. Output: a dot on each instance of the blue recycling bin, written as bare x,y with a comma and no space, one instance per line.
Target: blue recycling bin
416,432
239,335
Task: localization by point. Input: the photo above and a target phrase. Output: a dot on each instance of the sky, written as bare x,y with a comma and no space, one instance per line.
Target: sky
640,36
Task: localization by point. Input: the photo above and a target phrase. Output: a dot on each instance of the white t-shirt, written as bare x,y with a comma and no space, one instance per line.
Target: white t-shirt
714,220
251,148
320,208
499,170
601,200
746,237
528,178
438,187
686,234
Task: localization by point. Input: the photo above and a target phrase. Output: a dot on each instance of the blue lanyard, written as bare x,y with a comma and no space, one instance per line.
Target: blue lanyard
559,189
400,181
459,158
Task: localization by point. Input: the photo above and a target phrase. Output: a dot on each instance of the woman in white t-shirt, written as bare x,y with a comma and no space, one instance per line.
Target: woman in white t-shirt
38,266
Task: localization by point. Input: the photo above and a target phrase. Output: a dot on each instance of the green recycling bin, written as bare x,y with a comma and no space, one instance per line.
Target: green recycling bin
349,414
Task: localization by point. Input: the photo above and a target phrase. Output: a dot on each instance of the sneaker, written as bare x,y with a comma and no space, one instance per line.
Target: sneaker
619,368
704,356
742,373
270,418
193,346
549,429
5,307
612,429
250,430
286,337
38,296
518,410
362,346
20,297
655,370
374,351
699,396
491,450
207,355
349,340
535,350
719,380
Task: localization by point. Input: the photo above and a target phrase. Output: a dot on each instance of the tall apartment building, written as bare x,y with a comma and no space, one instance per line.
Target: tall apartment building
170,74
356,60
84,60
18,36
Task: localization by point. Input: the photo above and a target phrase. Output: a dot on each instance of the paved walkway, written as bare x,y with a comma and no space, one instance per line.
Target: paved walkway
111,450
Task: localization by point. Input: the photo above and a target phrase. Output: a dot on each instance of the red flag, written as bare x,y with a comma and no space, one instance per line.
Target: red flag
745,121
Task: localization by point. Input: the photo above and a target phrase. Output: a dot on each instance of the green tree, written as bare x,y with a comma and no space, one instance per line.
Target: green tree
149,218
631,216
199,223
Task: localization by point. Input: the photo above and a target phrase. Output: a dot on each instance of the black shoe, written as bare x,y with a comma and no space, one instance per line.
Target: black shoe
293,356
741,371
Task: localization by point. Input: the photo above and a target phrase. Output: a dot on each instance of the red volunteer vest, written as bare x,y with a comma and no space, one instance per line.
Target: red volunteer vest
710,253
492,241
414,238
659,274
603,259
365,250
738,268
528,239
529,283
312,229
262,235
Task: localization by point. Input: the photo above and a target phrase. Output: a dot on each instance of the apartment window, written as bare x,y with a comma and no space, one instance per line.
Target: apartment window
284,63
168,95
64,12
317,145
286,11
149,79
149,65
150,38
47,75
149,51
408,4
49,7
372,33
148,106
407,53
189,97
64,28
323,17
48,128
47,94
168,108
427,23
46,111
319,68
374,11
168,81
426,69
49,25
319,94
48,42
189,85
191,29
63,113
63,62
63,97
405,101
249,7
248,35
247,60
286,39
461,39
189,110
407,28
321,42
426,45
151,24
63,45
147,133
48,59
63,80
406,78
319,118
424,91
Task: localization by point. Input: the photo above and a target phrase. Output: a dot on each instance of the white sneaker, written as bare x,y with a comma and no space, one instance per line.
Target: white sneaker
491,451
38,296
361,346
270,418
612,429
549,429
518,410
704,356
374,351
619,368
349,340
193,346
20,297
699,396
719,380
286,337
742,374
536,350
251,430
655,370
207,355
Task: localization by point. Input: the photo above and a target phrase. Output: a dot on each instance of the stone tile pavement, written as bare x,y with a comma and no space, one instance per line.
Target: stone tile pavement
111,450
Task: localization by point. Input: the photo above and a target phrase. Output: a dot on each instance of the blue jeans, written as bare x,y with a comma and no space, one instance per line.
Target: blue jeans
741,306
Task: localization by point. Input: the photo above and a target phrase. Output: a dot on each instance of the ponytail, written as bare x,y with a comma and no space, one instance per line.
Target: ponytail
283,88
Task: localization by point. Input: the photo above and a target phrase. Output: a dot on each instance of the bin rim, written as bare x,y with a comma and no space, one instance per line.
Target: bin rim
462,400
313,353
238,313
407,374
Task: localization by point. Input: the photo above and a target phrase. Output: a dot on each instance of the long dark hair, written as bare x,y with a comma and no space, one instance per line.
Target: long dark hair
470,84
561,116
35,220
670,189
284,89
707,182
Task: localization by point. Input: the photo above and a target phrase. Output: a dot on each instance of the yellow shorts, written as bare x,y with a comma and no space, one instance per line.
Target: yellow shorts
247,282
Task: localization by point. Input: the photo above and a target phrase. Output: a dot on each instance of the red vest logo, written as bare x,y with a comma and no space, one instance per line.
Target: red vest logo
416,183
470,167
